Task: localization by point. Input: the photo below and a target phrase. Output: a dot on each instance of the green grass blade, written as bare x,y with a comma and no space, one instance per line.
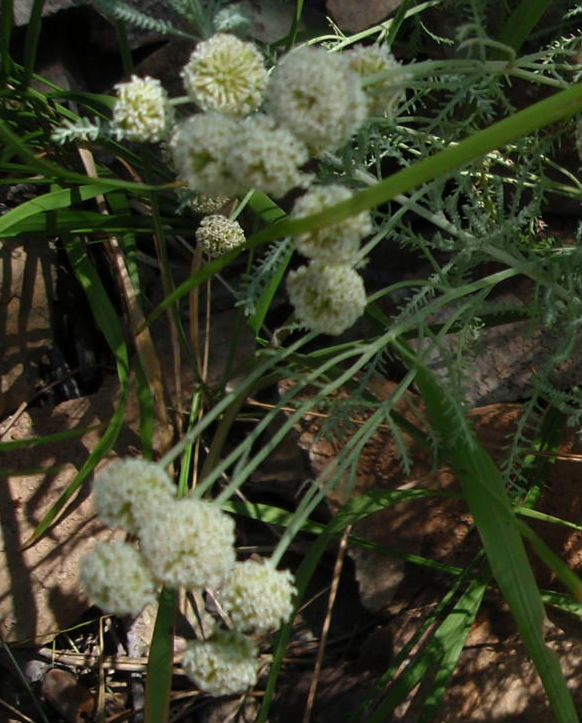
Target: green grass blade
63,198
5,35
442,652
485,494
47,439
32,36
521,22
160,660
448,643
566,576
264,303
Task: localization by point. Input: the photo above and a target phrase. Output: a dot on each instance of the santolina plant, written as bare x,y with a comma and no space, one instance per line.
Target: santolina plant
186,543
319,168
231,148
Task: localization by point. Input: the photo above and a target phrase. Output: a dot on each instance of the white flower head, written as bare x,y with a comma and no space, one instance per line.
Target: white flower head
142,111
225,664
384,95
189,542
327,299
257,596
128,491
267,157
335,244
116,578
200,150
217,235
318,97
226,74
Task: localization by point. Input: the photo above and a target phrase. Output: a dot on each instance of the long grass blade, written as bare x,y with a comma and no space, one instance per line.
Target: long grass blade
485,494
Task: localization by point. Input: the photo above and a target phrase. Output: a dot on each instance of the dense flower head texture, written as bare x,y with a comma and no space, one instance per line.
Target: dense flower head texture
383,95
141,111
318,97
257,596
200,148
335,244
217,235
328,299
267,157
226,74
116,579
225,664
189,542
127,490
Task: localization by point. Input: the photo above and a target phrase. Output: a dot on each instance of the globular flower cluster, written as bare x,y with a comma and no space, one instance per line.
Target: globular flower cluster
190,543
226,74
200,147
337,243
327,298
318,97
186,542
258,596
224,664
117,579
386,94
266,156
128,489
328,295
142,111
217,235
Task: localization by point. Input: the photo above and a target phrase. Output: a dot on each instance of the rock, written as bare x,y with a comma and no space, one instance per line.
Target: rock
70,698
355,17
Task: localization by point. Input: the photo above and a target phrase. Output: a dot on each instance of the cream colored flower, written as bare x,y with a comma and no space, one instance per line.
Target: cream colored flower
318,97
384,95
267,157
337,243
142,111
189,542
225,664
257,596
116,579
226,74
128,490
200,149
327,299
217,235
